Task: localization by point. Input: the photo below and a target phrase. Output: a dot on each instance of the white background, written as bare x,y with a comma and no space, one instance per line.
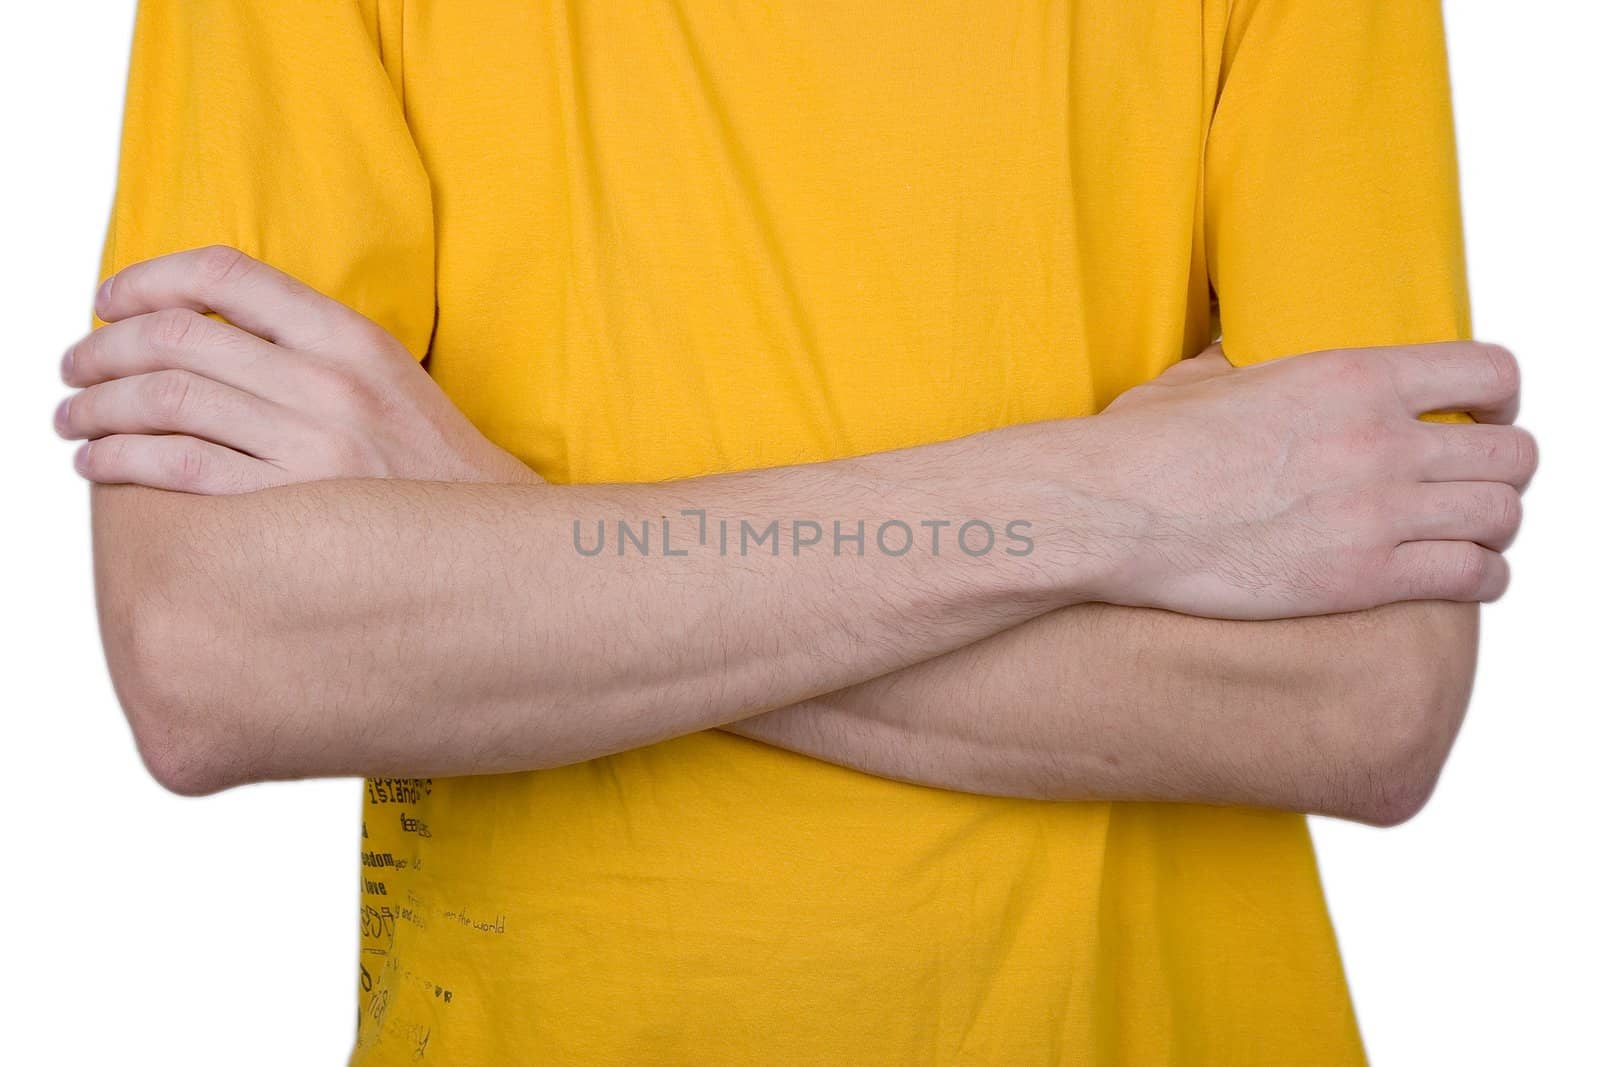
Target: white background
224,930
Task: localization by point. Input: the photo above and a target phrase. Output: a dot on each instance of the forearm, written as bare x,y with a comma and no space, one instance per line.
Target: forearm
427,628
1337,714
350,586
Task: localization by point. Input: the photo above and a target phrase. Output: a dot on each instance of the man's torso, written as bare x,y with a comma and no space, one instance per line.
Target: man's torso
679,239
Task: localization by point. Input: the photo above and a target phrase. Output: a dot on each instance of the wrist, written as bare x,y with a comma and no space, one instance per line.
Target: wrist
1066,475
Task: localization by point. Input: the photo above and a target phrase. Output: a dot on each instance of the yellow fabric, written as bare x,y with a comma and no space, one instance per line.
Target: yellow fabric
650,240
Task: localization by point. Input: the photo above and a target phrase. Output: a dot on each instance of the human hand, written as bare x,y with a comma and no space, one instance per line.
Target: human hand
294,387
1307,485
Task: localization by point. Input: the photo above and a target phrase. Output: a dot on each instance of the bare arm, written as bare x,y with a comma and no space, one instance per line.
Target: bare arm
437,628
410,626
1348,715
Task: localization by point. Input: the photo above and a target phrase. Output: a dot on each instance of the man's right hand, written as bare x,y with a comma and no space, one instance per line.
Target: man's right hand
1308,485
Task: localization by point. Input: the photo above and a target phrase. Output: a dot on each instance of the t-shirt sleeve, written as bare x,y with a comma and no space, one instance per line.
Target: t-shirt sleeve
1332,208
277,126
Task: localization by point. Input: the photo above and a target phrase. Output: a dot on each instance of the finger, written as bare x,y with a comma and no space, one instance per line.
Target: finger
173,339
1453,452
176,462
1487,513
1457,376
1447,570
180,402
245,291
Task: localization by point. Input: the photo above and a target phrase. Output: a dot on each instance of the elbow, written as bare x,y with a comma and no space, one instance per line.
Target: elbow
164,644
179,733
1396,784
1411,712
162,637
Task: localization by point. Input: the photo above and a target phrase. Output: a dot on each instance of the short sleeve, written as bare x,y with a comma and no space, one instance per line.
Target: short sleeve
1332,208
276,126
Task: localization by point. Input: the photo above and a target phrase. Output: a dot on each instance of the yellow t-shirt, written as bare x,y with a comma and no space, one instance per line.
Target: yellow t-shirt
650,240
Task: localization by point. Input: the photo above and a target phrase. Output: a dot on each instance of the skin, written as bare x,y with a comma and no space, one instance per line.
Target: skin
344,554
1348,715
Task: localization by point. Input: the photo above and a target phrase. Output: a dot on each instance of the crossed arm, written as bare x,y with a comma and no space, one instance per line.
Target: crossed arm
278,618
1348,715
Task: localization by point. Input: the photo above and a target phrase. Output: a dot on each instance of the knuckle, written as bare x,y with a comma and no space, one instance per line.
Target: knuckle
169,394
174,329
1377,523
1362,515
84,411
1472,567
1524,452
186,466
1502,369
1464,570
1480,448
371,338
109,458
1499,580
359,332
102,457
219,265
1373,368
82,358
1352,368
1501,510
1371,440
1441,448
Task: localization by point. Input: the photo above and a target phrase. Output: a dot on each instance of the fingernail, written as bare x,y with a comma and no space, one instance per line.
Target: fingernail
61,415
66,364
80,458
102,299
